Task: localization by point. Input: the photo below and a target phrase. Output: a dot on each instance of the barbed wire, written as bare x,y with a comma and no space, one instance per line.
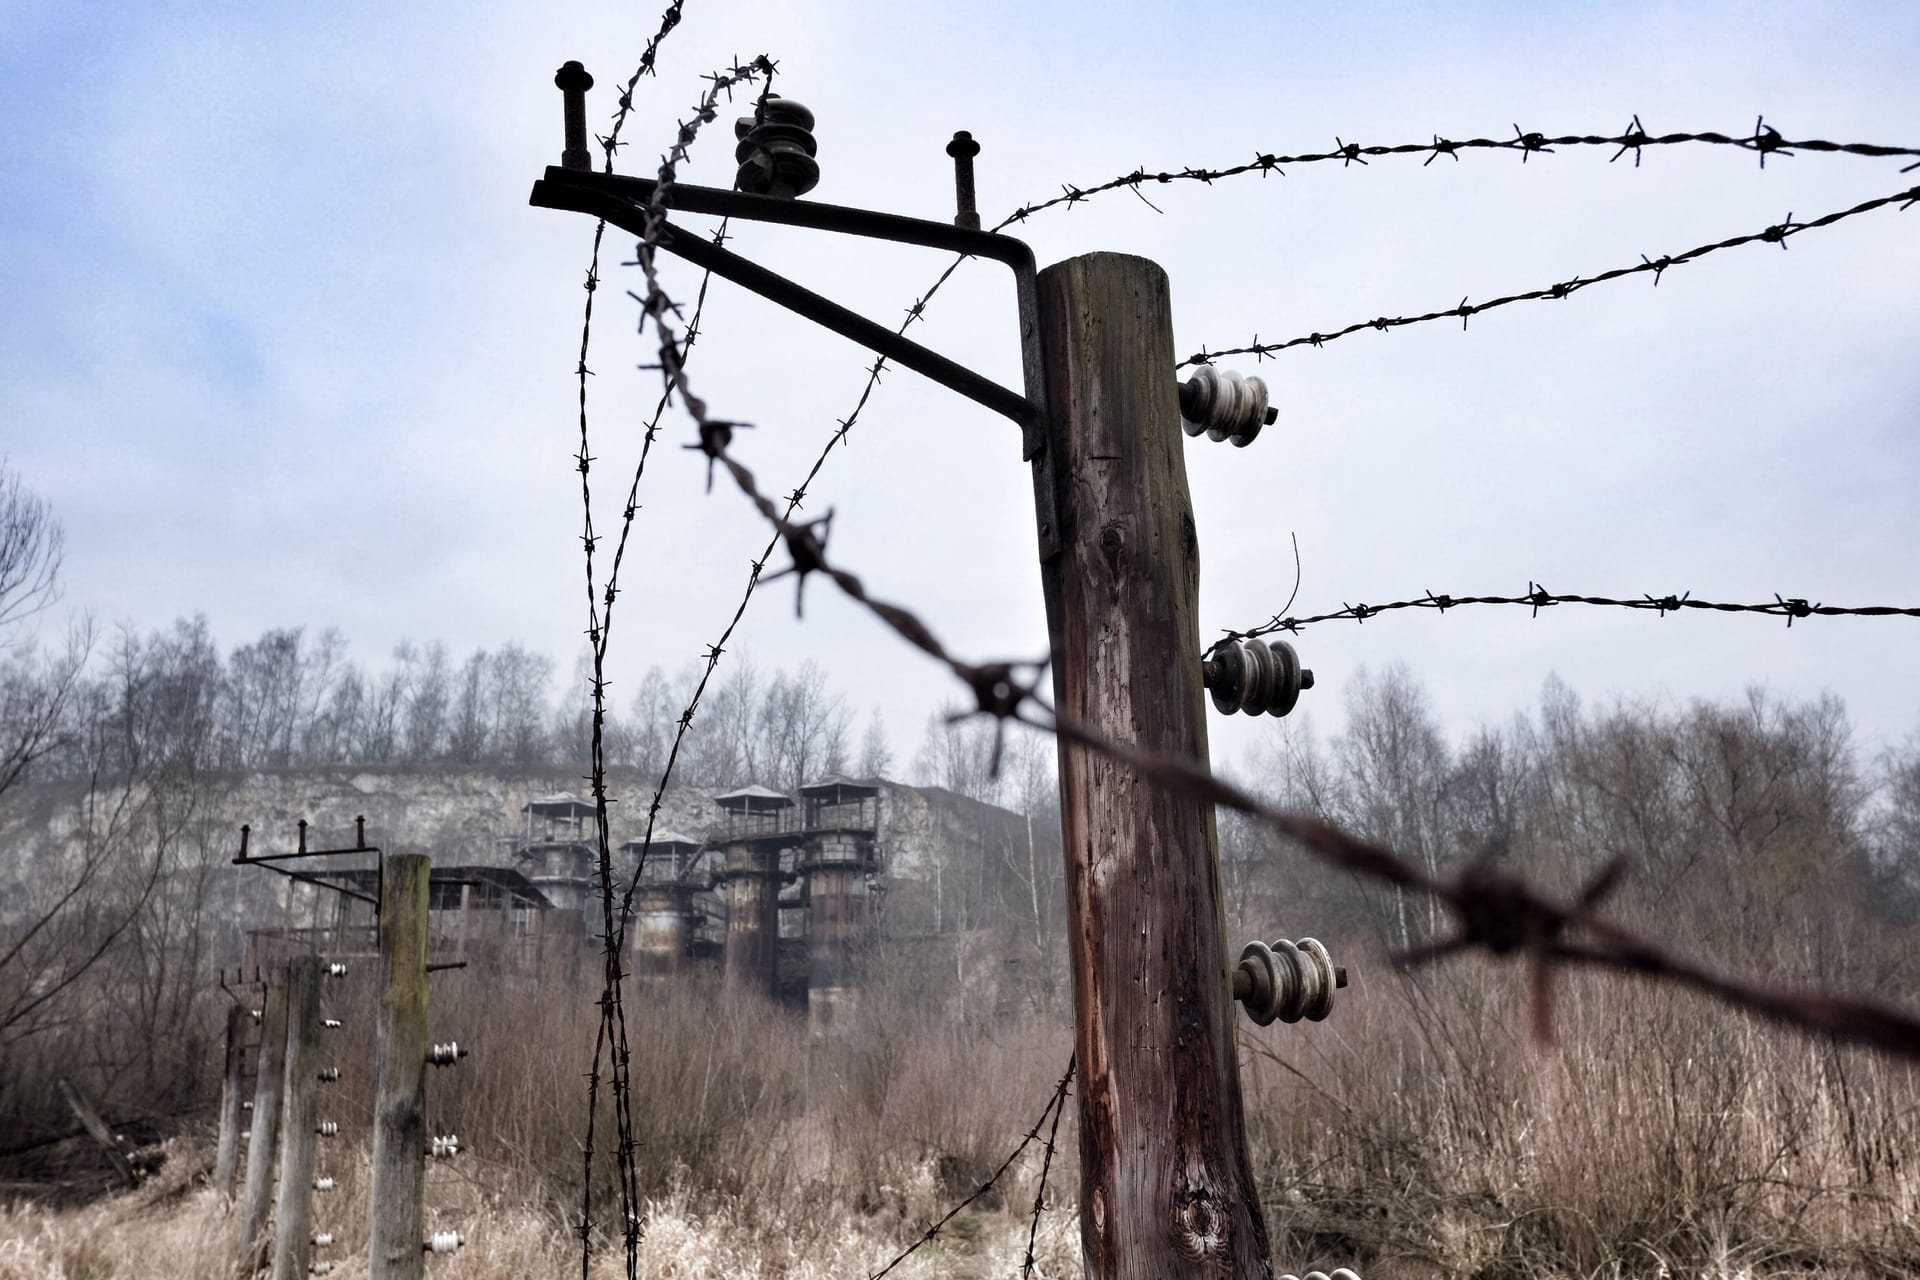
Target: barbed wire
1779,233
1055,1105
1046,1164
611,1038
1538,597
610,141
1765,140
1493,910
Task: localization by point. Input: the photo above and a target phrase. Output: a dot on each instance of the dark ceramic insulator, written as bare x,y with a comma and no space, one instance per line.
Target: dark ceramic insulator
776,150
1256,678
1287,981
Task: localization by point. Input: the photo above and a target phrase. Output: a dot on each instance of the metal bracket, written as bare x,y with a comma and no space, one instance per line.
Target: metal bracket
627,203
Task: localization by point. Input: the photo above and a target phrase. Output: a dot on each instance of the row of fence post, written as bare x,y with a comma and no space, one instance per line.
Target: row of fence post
285,1103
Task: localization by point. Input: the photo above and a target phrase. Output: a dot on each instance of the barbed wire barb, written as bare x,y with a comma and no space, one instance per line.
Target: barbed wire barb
1777,233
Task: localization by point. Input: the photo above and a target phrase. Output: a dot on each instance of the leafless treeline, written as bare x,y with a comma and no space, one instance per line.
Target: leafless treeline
1758,829
123,704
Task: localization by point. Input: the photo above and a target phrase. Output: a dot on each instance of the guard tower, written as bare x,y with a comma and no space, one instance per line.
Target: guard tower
664,901
839,818
759,824
557,850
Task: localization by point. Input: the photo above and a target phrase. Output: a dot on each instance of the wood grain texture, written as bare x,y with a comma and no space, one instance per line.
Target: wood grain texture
226,1160
263,1140
293,1207
1166,1185
399,1115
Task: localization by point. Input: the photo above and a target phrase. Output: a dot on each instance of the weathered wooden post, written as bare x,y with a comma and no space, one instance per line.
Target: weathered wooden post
293,1208
1166,1186
399,1123
268,1070
226,1160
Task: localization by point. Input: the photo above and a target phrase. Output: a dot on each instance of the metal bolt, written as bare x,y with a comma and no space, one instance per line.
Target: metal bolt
573,82
963,149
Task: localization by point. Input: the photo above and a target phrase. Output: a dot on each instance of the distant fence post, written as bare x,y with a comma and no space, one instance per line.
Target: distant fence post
399,1124
293,1210
226,1160
268,1070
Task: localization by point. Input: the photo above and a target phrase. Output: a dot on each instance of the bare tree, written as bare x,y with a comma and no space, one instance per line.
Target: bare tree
31,547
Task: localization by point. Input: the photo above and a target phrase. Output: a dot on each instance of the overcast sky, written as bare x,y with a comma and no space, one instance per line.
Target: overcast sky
281,340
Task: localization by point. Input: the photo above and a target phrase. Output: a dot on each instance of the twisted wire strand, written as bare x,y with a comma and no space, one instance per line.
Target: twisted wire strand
612,1039
1635,139
1046,1164
1055,1105
1538,597
1779,233
610,143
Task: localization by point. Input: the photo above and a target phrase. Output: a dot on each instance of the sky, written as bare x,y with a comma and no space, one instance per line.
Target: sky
282,341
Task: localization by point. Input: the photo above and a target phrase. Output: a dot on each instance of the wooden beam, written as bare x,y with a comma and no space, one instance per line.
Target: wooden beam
96,1128
226,1158
1166,1186
293,1210
399,1117
263,1141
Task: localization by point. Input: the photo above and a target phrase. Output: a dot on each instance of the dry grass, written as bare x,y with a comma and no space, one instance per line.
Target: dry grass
1419,1133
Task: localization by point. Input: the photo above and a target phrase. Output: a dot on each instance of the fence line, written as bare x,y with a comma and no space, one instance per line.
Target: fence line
1764,140
1494,911
1778,233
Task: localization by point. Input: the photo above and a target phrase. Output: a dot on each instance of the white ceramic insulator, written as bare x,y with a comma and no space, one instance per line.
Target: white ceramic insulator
247,1105
1224,404
336,971
321,1268
445,1055
445,1148
331,1024
328,1128
323,1184
444,1241
254,1014
324,1239
329,1074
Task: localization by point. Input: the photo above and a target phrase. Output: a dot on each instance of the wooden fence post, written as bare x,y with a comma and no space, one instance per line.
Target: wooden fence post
97,1129
227,1157
1166,1186
261,1142
293,1209
399,1122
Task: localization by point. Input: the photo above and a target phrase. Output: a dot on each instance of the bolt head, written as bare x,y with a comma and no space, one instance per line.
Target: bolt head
1306,680
572,75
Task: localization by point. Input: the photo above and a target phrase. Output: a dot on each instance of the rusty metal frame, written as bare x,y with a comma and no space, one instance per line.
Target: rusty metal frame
627,203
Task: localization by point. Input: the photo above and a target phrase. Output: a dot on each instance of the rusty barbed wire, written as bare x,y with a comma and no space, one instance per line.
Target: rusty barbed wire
1046,1164
1538,597
1779,233
1054,1106
612,1038
1493,910
1764,140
